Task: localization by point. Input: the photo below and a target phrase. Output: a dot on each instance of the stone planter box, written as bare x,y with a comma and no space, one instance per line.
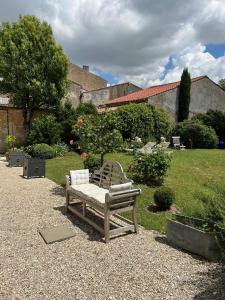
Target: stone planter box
34,167
16,158
183,234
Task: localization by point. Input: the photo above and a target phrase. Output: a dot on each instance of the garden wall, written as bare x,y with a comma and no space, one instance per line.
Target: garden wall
11,122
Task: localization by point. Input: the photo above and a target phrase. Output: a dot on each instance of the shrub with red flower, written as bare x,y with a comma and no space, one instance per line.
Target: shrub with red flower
84,155
79,121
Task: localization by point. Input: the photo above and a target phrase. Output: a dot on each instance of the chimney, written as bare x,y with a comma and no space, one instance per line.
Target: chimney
86,68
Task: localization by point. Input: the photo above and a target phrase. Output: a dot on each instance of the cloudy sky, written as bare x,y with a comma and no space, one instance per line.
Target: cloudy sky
146,42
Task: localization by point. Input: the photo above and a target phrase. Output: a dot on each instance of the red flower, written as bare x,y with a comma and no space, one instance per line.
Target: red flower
79,121
84,155
71,142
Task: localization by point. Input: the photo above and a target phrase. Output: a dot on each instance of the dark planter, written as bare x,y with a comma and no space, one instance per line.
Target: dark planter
16,158
34,167
183,234
221,144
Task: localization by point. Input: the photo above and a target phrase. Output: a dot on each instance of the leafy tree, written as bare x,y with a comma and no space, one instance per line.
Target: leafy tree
66,116
184,96
222,83
33,68
98,134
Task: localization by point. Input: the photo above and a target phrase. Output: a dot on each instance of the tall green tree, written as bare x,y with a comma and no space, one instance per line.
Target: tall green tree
33,67
184,96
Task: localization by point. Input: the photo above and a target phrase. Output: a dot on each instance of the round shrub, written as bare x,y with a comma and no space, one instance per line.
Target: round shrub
214,119
60,149
134,120
197,134
150,168
45,130
41,151
164,197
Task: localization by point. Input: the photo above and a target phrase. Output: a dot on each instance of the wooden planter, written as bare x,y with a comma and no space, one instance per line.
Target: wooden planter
16,158
181,233
34,167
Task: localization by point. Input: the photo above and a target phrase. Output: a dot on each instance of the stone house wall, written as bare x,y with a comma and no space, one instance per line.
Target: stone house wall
205,95
100,96
87,80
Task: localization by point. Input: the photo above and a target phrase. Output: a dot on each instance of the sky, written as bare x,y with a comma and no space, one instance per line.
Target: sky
146,42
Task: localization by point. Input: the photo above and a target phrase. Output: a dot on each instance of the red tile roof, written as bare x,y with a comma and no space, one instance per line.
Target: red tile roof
149,92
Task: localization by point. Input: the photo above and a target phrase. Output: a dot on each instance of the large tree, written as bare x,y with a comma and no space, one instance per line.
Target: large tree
184,96
33,67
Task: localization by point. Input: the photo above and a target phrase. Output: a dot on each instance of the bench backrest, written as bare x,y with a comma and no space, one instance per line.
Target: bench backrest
110,173
176,140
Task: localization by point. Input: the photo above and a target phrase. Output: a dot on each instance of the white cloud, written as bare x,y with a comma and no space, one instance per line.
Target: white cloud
133,39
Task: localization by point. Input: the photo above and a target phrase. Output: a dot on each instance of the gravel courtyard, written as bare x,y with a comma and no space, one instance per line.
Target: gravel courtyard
130,267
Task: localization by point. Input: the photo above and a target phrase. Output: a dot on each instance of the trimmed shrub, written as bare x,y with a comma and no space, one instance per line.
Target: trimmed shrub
197,134
41,151
45,130
164,197
134,120
60,149
161,122
214,119
92,163
87,108
150,168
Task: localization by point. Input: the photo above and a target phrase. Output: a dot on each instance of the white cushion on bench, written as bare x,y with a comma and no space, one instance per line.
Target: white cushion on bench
90,190
120,187
79,177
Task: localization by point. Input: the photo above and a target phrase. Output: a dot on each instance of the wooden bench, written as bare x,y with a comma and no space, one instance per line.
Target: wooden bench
108,193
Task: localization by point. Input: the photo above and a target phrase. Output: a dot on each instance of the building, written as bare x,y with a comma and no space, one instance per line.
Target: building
205,95
82,80
101,96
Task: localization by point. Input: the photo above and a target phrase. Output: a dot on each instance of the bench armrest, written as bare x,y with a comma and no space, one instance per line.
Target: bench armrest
122,195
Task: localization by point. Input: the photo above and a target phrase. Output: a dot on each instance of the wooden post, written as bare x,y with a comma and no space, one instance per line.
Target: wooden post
134,217
106,222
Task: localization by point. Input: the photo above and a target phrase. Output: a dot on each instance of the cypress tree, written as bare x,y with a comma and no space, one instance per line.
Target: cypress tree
184,96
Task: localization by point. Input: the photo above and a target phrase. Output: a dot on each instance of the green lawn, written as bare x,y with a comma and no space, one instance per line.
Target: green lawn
190,173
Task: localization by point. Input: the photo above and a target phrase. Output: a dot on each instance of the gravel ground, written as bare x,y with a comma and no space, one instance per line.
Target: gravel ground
134,266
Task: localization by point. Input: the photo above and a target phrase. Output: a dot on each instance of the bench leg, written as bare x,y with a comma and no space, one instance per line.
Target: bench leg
134,218
84,208
67,200
106,225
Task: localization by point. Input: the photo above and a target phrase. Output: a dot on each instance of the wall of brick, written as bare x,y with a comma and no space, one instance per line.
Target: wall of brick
86,79
11,122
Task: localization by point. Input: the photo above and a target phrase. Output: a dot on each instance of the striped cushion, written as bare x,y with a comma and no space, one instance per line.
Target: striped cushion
79,177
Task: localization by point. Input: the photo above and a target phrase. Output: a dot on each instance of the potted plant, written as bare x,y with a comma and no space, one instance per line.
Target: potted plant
198,236
34,162
15,156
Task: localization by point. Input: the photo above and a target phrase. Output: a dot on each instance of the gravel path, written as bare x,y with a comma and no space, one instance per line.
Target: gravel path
139,266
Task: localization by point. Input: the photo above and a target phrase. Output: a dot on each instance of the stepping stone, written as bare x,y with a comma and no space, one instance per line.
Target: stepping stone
56,234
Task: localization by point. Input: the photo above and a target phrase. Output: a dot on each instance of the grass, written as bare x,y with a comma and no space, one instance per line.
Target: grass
191,173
